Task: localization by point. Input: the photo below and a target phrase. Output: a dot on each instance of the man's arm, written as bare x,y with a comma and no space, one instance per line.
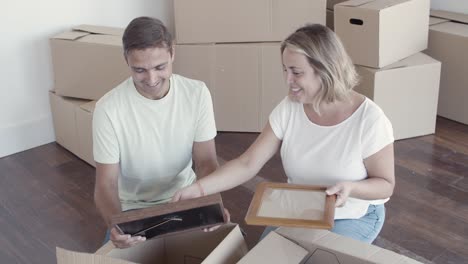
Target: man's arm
204,157
106,197
106,194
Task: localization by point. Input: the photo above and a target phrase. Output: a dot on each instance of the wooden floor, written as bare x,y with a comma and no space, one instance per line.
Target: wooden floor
46,199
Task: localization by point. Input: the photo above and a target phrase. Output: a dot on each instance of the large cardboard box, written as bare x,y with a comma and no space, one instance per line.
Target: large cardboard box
88,61
215,21
245,80
407,92
377,33
73,125
225,245
297,245
448,43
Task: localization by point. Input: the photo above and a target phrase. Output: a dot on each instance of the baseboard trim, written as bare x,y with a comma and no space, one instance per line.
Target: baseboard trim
26,135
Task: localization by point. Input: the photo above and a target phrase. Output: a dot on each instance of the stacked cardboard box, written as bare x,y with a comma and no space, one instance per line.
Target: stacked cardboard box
330,12
448,43
384,39
233,46
87,62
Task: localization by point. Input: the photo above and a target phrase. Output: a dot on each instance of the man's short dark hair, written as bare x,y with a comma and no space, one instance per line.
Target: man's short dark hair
146,32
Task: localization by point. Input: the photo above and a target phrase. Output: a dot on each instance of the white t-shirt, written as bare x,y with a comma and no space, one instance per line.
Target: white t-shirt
324,155
152,139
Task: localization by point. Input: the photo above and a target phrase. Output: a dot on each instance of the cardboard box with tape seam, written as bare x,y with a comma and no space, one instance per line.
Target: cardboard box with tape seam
245,80
88,61
377,33
221,21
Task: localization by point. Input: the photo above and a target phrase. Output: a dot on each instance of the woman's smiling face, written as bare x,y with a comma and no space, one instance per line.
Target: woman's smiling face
301,79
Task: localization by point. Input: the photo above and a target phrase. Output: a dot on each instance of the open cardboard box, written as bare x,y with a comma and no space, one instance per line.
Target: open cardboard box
304,246
224,245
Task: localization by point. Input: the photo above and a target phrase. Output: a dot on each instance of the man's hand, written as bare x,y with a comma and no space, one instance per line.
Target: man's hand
342,191
227,215
124,240
194,191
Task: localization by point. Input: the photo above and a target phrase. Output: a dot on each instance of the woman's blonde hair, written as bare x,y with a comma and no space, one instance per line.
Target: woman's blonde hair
327,56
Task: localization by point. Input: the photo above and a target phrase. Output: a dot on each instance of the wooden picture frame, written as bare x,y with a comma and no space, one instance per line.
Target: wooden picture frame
159,220
292,205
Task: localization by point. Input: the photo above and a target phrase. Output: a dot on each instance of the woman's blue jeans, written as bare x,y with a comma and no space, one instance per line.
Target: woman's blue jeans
365,229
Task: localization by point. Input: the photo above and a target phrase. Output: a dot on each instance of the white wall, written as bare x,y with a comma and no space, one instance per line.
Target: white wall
25,63
459,6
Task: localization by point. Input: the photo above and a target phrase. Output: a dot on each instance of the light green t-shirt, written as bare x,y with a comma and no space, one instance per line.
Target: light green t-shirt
152,139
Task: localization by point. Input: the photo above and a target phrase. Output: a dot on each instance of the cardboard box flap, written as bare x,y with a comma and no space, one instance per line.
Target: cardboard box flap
89,107
354,3
106,248
65,256
413,60
295,234
382,4
348,246
388,257
453,28
436,20
99,30
459,17
143,253
110,40
373,4
332,243
223,253
71,35
275,249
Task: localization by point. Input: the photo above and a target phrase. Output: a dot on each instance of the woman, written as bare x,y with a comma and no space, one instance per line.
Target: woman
328,134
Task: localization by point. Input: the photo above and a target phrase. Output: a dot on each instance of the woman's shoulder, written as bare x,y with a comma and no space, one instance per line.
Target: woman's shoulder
369,109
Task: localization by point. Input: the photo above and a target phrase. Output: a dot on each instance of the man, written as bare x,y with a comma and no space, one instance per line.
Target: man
147,130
